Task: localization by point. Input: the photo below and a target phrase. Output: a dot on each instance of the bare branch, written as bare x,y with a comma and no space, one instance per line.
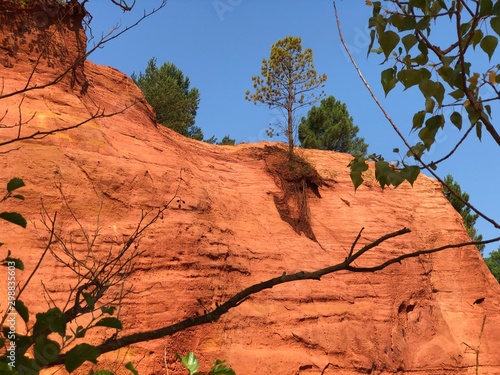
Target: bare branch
240,297
42,134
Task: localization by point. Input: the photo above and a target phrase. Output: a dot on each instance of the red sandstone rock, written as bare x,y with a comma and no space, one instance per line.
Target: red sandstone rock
226,234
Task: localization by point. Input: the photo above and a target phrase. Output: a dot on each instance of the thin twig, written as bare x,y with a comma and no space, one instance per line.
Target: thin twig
47,247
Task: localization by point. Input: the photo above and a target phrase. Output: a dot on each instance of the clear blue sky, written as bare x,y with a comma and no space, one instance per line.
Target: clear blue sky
220,44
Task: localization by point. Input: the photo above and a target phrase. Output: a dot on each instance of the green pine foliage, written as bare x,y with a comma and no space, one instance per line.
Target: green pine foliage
226,141
288,82
493,263
168,92
330,127
468,217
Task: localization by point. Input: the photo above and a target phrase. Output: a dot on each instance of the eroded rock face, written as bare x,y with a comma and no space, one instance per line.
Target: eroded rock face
223,232
39,40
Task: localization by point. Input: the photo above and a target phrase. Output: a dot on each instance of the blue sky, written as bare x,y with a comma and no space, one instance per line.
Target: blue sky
220,44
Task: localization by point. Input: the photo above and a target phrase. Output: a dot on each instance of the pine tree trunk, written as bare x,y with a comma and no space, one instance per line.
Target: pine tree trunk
290,125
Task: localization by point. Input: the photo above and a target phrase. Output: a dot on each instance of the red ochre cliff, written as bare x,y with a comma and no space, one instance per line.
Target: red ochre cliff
225,233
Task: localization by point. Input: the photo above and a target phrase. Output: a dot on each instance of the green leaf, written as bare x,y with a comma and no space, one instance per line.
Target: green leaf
358,166
439,93
219,368
396,20
489,44
476,38
46,350
14,184
495,24
421,59
485,8
417,150
465,27
79,354
80,332
409,23
457,94
103,372
472,114
109,322
130,366
427,88
447,60
18,196
53,320
108,310
429,105
423,23
496,9
382,169
14,218
488,109
479,126
456,119
89,299
384,174
428,133
6,369
190,362
18,263
372,40
22,310
418,120
410,173
388,80
388,41
409,41
412,77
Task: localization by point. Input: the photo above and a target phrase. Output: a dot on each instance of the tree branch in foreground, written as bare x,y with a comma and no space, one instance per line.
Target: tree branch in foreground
398,132
239,298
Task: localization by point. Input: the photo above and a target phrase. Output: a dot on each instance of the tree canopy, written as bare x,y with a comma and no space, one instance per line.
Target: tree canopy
168,92
330,127
450,67
288,82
